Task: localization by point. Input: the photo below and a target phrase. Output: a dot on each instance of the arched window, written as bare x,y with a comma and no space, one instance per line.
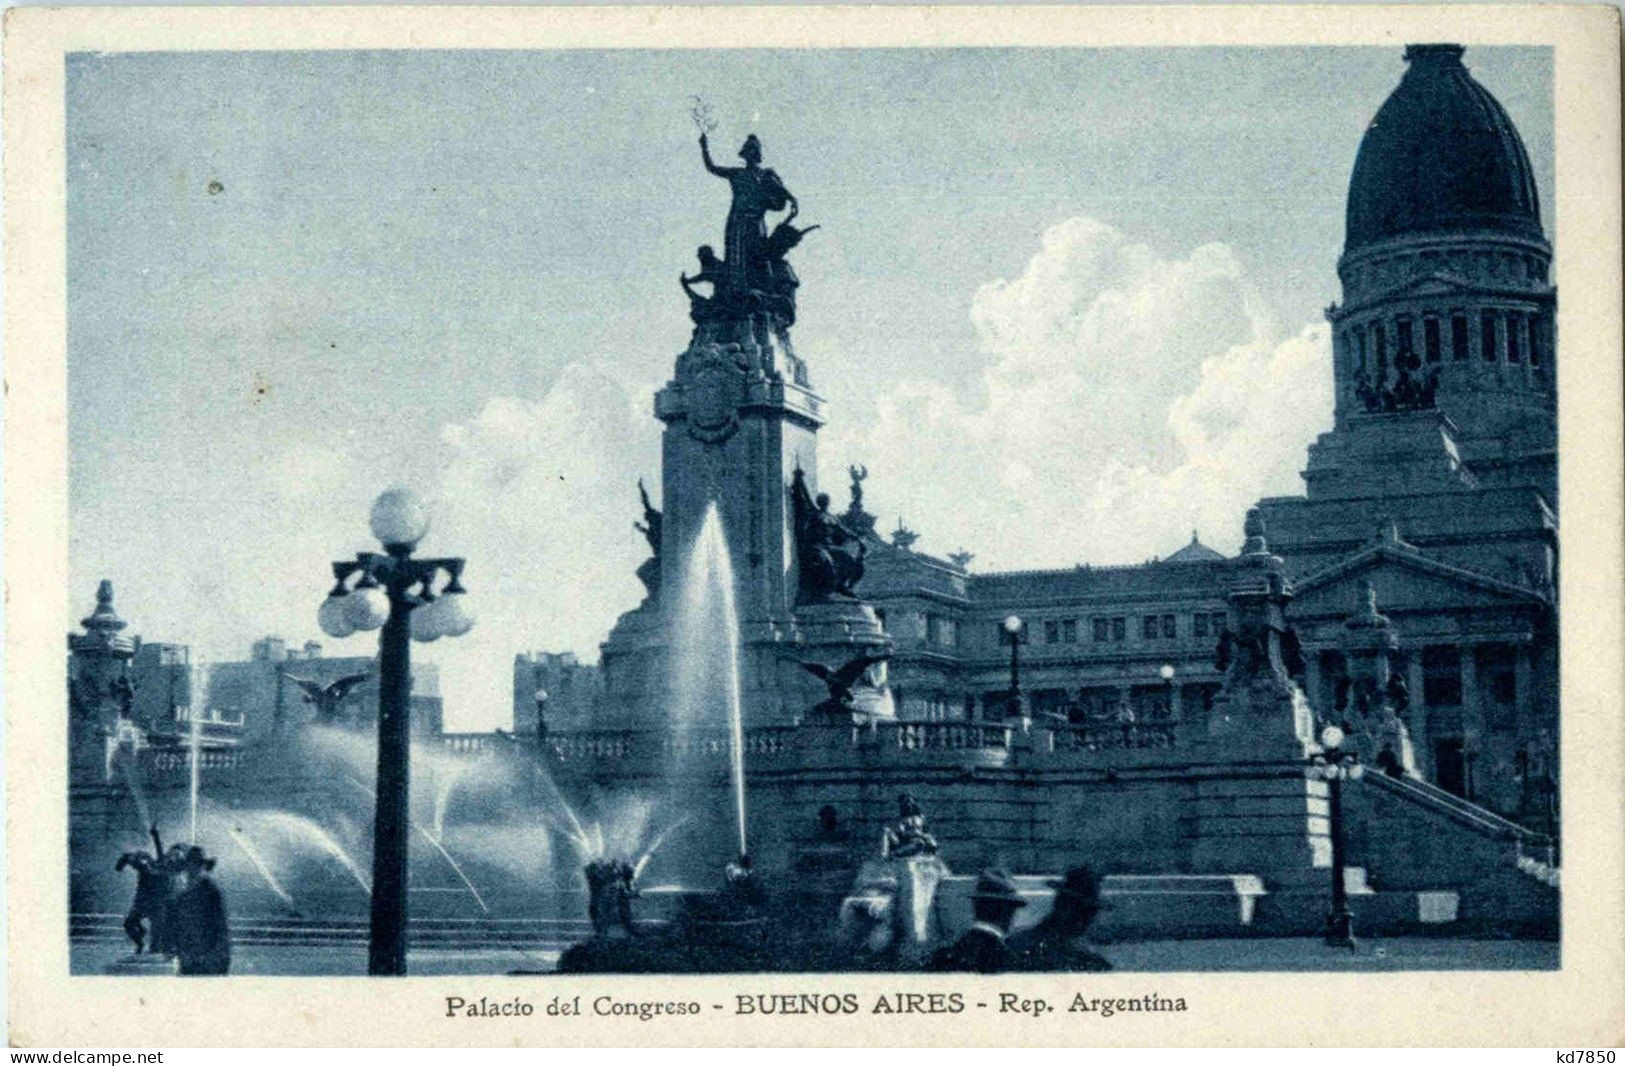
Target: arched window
1430,338
1514,337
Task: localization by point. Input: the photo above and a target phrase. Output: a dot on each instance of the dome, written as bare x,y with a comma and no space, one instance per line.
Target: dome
1440,155
1195,552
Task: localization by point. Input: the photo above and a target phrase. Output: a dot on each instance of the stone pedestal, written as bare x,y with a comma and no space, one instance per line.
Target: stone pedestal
1371,718
837,632
891,908
1252,807
741,420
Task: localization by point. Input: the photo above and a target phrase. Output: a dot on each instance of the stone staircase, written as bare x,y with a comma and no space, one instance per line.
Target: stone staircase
530,933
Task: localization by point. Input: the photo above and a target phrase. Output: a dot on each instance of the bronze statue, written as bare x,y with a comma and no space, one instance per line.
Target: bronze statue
756,191
831,556
907,837
841,682
651,527
712,271
609,897
328,698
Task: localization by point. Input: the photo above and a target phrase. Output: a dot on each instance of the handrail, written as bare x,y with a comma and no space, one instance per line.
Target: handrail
1464,810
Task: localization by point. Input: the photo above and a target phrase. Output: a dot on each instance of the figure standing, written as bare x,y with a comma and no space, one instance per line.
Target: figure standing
201,928
756,191
1060,943
982,948
151,893
170,871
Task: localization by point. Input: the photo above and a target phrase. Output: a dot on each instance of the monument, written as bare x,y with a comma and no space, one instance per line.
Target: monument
741,424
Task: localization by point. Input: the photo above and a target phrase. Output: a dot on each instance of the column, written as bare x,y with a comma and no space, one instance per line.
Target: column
1418,720
1526,715
1472,715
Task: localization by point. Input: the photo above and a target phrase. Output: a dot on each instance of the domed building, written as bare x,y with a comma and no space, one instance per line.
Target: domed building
1445,273
1438,482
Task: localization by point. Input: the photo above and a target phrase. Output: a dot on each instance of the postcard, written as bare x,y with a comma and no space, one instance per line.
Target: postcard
814,526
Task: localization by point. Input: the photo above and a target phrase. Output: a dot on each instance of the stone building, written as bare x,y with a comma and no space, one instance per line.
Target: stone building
555,688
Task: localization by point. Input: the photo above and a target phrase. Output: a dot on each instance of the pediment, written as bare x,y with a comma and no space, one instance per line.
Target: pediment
1405,581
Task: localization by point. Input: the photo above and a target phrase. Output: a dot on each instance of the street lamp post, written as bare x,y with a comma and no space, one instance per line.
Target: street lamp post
1334,763
1166,672
396,592
1014,632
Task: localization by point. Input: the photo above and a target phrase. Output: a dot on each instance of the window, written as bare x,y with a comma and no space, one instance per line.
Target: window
1052,632
1486,336
1458,337
1405,341
1382,348
1149,629
1221,621
1514,338
1119,628
1441,677
1536,340
1102,630
1069,631
1430,338
1169,629
1199,624
1359,347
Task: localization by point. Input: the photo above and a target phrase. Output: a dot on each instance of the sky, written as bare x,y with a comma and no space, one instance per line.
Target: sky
1066,305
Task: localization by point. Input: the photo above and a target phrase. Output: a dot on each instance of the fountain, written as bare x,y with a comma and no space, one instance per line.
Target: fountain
706,650
259,864
291,828
195,743
443,794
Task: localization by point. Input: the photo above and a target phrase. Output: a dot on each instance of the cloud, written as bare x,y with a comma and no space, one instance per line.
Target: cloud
1128,398
540,497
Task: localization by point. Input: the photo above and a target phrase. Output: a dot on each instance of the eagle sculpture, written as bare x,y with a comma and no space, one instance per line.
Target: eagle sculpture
841,681
327,698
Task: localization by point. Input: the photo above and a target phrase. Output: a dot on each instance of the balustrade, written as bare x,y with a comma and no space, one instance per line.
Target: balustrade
944,736
179,760
567,746
1114,736
467,743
